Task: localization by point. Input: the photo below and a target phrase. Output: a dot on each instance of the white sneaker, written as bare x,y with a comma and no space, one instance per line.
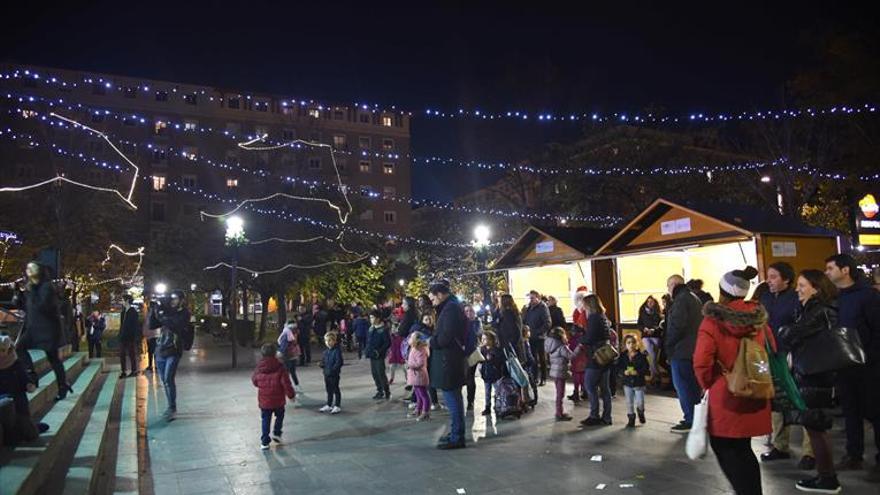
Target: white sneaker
325,408
412,405
264,446
335,410
433,407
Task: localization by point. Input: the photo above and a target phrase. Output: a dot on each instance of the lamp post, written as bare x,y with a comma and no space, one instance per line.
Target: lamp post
234,238
481,244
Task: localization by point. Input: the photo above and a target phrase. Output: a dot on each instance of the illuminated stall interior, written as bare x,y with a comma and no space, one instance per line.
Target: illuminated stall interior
703,242
555,261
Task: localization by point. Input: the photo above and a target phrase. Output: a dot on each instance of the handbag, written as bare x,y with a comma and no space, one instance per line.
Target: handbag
167,344
515,369
475,358
698,438
605,355
832,349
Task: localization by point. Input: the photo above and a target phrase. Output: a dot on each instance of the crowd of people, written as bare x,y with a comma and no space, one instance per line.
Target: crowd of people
434,345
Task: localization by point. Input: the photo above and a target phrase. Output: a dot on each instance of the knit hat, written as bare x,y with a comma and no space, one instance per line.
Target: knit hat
736,283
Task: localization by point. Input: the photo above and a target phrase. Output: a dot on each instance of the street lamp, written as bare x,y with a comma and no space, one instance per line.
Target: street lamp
481,243
234,238
160,288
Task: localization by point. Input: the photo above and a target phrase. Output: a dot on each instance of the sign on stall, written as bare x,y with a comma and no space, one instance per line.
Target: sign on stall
784,249
677,226
544,247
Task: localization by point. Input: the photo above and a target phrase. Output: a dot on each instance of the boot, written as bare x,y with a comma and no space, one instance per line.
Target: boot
631,421
641,413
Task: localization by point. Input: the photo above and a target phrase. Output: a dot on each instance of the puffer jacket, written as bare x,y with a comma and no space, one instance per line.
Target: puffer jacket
272,382
718,340
417,367
559,355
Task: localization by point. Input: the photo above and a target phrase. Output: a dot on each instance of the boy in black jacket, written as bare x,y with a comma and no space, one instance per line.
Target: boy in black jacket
332,364
378,342
634,365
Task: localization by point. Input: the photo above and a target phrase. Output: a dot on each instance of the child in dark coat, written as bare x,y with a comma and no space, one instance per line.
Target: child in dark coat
492,367
16,424
634,365
332,364
273,384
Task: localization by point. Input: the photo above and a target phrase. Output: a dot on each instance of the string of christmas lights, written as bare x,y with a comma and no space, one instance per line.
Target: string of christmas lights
139,252
257,273
101,85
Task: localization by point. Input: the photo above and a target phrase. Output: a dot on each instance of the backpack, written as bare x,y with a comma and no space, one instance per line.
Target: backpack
750,377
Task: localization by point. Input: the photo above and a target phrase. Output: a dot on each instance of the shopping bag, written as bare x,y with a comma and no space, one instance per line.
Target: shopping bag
698,437
788,395
515,369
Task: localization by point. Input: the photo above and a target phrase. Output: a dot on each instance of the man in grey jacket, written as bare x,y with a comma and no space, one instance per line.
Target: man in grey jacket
537,316
683,319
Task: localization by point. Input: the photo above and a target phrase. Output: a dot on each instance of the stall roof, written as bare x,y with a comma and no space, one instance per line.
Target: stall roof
583,240
733,220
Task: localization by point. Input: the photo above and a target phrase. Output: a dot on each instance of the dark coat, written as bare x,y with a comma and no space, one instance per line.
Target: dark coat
13,382
510,332
273,382
493,367
639,363
682,322
537,317
816,389
649,319
782,309
859,307
557,318
95,328
176,325
378,342
472,336
448,364
42,319
597,333
332,361
407,322
361,327
130,329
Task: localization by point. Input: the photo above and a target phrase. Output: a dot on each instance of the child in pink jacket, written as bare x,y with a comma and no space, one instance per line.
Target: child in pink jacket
417,374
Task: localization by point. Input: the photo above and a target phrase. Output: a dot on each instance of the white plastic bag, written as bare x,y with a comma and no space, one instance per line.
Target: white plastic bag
698,437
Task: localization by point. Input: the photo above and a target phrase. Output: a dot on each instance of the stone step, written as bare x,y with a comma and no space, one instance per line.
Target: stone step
26,468
127,471
42,398
41,364
84,471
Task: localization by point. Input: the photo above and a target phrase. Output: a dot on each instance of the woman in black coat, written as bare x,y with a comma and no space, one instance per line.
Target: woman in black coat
817,314
510,327
410,315
42,326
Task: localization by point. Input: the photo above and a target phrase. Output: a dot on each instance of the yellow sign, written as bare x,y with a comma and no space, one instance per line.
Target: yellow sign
869,206
869,239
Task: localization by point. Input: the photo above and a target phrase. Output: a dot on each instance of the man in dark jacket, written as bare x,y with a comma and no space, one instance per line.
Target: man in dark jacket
781,303
682,322
129,336
448,364
859,308
537,316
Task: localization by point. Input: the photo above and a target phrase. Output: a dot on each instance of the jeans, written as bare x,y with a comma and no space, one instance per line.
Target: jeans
488,395
739,464
635,399
851,387
331,384
423,403
455,405
130,350
290,364
377,367
651,345
471,385
537,344
167,368
686,387
560,394
267,419
94,348
596,382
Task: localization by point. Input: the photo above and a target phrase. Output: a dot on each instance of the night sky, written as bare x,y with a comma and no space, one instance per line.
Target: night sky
537,57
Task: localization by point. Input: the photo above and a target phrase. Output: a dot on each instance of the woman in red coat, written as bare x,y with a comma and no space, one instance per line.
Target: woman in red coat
733,421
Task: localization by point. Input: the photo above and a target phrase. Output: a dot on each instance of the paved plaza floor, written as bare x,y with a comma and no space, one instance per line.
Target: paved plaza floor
371,447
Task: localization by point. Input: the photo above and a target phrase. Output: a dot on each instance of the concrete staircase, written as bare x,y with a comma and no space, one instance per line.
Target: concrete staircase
88,433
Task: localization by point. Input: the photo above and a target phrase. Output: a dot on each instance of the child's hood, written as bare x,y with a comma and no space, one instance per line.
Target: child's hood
269,365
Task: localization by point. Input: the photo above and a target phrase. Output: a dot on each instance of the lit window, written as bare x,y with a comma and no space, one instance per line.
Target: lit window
231,183
161,96
190,152
314,163
190,125
339,141
365,166
158,182
387,121
314,113
388,168
390,217
389,190
189,181
192,99
387,144
160,127
234,103
364,143
28,114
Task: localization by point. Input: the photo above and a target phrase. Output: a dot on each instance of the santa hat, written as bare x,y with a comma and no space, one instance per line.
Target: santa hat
580,293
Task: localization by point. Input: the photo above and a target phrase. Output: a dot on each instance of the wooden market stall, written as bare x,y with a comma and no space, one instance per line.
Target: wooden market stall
703,242
556,261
